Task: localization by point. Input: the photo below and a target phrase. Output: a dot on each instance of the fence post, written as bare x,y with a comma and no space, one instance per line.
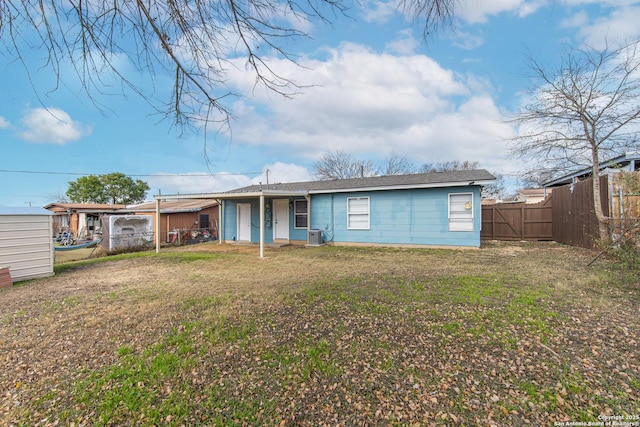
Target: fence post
493,222
522,221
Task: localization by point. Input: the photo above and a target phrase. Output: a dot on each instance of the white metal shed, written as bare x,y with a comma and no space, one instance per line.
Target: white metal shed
26,243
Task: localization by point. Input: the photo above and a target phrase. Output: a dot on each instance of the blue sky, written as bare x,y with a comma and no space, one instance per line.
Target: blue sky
379,89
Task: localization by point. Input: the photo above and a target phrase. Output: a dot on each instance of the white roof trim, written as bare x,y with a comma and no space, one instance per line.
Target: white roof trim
403,187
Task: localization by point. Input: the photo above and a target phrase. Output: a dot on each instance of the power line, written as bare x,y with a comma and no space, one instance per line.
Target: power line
137,175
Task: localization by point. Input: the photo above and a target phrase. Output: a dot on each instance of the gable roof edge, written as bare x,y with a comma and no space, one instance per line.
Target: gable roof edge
403,187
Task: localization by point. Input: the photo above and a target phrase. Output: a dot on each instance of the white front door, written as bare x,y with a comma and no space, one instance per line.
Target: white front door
244,222
281,219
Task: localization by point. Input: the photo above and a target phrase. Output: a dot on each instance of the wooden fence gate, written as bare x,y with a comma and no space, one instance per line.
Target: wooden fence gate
517,221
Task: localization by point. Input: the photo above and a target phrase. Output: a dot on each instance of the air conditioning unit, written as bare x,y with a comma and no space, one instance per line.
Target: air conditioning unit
315,237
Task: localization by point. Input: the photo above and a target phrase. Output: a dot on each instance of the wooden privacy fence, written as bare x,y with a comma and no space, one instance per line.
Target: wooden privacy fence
568,216
517,221
574,218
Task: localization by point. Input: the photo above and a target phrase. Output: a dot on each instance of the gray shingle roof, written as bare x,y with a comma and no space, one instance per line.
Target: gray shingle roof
409,180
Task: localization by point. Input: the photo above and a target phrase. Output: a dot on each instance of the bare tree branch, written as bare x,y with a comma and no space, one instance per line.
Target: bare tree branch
194,42
341,164
398,165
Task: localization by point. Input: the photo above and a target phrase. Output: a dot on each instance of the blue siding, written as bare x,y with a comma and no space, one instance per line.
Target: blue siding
417,217
413,217
229,225
230,219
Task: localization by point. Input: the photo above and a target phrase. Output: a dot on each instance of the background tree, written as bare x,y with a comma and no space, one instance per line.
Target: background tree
194,42
86,189
580,113
115,188
340,164
536,178
496,190
453,165
398,165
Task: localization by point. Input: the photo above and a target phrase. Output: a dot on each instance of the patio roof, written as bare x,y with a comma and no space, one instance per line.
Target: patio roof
231,195
173,206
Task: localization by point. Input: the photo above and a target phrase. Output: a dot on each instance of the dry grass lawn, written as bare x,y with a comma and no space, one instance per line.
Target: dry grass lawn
511,334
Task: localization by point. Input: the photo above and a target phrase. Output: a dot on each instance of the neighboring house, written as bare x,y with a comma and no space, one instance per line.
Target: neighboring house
82,219
532,195
26,246
629,162
429,209
181,216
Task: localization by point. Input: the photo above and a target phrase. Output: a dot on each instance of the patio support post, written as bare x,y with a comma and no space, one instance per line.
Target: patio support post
157,226
220,218
306,196
261,225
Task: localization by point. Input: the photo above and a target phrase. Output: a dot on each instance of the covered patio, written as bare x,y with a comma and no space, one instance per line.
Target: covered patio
261,195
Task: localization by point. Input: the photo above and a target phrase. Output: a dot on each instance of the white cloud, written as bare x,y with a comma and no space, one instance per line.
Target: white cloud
469,11
378,11
404,43
602,3
619,27
50,125
478,11
374,105
283,172
467,41
529,7
4,123
577,20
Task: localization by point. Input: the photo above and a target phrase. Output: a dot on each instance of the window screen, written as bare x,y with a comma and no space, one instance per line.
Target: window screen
461,212
358,213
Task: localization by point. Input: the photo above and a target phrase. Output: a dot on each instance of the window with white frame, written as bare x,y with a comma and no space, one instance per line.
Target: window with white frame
300,213
358,213
461,212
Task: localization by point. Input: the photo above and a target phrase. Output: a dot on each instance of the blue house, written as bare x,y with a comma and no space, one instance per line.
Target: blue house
430,209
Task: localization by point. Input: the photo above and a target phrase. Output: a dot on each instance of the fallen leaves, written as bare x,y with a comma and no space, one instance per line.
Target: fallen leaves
414,344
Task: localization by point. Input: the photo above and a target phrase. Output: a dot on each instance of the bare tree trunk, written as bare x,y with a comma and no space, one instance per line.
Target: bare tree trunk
603,220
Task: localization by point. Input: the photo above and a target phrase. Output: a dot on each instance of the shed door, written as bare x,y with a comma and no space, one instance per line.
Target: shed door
244,222
281,219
